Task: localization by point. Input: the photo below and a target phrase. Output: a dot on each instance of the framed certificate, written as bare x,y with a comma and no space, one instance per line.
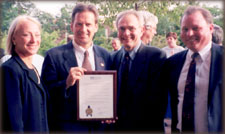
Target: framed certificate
96,94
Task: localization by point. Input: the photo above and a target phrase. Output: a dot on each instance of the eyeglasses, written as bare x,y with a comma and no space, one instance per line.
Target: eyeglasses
150,27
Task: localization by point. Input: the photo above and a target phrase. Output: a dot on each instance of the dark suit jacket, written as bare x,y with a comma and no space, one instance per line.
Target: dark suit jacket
2,52
172,72
24,100
146,109
56,66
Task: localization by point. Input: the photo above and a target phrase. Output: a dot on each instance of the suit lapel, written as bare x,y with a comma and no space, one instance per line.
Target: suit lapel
118,59
138,64
32,78
69,57
99,61
179,65
22,64
215,70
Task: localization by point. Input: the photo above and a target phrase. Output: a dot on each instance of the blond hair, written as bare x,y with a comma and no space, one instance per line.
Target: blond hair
13,29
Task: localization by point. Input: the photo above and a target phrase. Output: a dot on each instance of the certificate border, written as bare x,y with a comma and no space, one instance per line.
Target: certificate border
114,73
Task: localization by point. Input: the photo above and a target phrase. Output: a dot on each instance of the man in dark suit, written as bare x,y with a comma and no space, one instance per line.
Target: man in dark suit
64,65
141,105
205,103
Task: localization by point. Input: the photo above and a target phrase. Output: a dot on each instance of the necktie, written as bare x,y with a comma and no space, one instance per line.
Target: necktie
189,94
125,68
86,63
124,98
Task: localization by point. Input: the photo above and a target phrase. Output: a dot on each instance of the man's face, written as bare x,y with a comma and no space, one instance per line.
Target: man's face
116,45
150,31
129,31
196,33
84,28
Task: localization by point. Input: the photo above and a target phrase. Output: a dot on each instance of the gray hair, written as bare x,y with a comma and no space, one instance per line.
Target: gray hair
10,46
128,12
149,18
217,36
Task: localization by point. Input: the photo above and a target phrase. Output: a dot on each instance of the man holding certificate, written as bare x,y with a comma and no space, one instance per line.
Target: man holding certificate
64,65
141,104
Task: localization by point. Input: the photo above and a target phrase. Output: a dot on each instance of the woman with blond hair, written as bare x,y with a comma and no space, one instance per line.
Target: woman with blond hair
24,97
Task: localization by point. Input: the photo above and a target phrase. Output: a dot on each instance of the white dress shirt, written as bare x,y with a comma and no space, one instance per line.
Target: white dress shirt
79,53
201,88
37,61
171,51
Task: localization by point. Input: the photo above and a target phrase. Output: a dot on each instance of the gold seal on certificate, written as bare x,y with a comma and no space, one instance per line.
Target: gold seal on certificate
96,94
89,111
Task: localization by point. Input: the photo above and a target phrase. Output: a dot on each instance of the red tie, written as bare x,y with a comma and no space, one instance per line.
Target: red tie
189,94
86,63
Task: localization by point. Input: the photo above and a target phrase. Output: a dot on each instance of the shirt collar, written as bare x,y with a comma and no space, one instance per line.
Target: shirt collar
133,52
203,53
81,49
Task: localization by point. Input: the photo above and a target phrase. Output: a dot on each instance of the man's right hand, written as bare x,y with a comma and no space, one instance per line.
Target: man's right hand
74,75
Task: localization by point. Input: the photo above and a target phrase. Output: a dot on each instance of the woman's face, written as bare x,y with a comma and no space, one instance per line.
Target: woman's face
171,42
27,38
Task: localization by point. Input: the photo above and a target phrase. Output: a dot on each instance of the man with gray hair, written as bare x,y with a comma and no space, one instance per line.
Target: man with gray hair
150,26
141,103
217,36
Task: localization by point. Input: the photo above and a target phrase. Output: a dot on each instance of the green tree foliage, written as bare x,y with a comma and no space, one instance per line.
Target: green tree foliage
3,39
47,21
109,10
9,10
159,41
48,41
217,14
101,40
51,29
63,21
55,28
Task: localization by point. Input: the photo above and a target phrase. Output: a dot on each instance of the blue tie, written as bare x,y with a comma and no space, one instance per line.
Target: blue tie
125,68
189,94
123,98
